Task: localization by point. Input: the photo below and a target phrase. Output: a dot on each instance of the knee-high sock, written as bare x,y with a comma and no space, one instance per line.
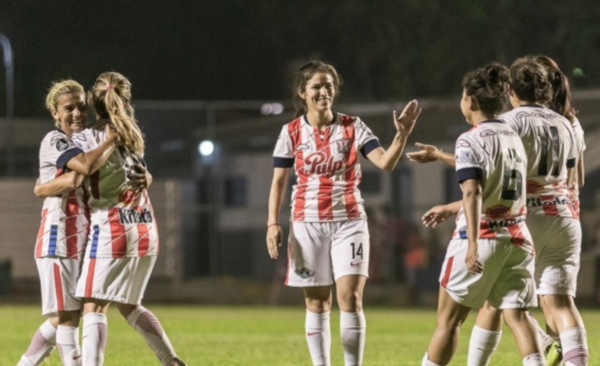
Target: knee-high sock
67,341
318,338
353,328
482,344
95,335
426,362
42,344
534,359
574,346
146,324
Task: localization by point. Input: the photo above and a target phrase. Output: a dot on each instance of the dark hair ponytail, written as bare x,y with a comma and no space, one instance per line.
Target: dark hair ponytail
488,85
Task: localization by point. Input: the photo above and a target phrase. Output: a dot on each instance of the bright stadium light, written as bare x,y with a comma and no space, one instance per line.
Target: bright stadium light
206,148
277,108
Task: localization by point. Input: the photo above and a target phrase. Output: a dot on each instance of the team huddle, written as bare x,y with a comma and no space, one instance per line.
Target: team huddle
516,244
98,240
517,239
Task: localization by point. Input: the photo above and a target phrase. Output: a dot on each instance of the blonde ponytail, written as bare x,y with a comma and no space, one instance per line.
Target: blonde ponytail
111,97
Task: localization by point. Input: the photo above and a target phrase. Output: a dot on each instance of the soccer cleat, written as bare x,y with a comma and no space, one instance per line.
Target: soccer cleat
178,362
554,354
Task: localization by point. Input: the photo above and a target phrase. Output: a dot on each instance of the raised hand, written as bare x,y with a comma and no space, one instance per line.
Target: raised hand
407,119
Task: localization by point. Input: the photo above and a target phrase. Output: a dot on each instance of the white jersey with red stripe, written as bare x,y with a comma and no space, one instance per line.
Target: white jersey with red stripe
65,219
550,145
123,223
494,155
580,148
327,167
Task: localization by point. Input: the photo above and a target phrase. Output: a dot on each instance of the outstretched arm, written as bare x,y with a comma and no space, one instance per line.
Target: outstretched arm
64,183
274,232
88,162
387,159
440,213
430,153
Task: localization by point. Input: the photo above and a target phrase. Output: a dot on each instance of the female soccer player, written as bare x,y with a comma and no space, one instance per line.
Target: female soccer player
490,257
63,229
550,144
329,237
123,242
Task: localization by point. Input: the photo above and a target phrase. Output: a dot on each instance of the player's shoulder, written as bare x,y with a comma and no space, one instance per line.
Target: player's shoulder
57,139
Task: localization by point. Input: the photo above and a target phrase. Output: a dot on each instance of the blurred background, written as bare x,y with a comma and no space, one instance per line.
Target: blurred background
212,87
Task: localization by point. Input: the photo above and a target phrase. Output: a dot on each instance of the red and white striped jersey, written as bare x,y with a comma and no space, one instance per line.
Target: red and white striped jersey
123,223
494,155
327,167
550,145
65,223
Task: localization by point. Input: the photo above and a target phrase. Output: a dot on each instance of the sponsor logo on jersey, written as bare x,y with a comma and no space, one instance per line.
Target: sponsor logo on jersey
462,143
343,146
464,157
302,147
128,216
505,223
321,164
537,202
304,272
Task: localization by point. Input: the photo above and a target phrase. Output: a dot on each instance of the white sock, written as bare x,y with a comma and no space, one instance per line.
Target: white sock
353,328
534,359
42,344
482,344
318,338
574,346
67,341
95,335
426,361
545,339
146,324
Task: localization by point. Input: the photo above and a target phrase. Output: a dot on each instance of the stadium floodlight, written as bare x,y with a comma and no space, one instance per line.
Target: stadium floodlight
10,102
206,148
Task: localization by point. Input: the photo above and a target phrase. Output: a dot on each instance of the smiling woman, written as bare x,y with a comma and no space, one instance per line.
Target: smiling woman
329,235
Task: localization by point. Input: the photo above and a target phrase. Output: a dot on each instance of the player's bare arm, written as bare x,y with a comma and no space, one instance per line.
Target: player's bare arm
472,206
387,159
440,214
64,183
429,153
580,171
274,232
88,162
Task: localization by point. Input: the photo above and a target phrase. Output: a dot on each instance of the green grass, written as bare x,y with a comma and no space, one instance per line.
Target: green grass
264,336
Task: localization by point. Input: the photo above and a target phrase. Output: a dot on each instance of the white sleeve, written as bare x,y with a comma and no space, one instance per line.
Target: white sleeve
469,159
365,138
283,155
57,149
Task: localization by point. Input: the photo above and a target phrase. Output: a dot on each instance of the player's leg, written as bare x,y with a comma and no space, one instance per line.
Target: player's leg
350,250
556,270
67,334
353,325
485,336
450,316
149,327
67,337
572,333
95,331
309,267
525,336
317,323
42,344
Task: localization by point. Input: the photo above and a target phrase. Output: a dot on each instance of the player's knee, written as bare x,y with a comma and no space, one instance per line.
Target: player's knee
126,309
350,301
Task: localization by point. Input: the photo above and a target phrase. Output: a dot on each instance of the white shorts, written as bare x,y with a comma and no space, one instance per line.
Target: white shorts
58,280
557,242
318,252
121,280
507,278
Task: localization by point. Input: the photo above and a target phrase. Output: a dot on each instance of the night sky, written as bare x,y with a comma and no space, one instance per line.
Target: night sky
247,49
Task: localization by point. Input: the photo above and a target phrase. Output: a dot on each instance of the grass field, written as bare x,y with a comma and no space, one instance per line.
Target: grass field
264,336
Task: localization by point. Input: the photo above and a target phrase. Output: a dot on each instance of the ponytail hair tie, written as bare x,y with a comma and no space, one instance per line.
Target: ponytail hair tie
110,87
